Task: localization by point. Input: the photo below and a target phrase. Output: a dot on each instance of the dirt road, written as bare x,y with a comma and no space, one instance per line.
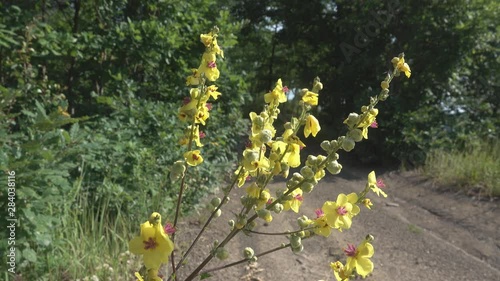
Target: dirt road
421,233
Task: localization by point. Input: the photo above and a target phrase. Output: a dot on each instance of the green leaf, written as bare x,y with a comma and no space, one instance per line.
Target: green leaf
29,255
205,276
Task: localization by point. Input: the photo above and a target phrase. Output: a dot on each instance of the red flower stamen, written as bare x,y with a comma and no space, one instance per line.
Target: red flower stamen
350,250
319,213
208,106
211,64
186,100
285,89
380,183
202,134
341,210
150,244
374,124
299,197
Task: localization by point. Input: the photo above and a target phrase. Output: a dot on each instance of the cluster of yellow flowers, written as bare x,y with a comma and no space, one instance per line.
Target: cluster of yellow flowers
267,155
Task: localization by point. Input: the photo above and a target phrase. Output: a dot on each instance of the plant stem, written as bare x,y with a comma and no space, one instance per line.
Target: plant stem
245,260
207,223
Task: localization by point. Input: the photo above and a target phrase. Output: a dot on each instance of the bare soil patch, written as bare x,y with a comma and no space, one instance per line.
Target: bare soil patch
421,233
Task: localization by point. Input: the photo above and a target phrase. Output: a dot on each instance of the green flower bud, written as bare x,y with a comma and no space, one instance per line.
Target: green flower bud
364,108
303,222
292,182
265,215
177,170
334,167
297,177
215,201
335,157
320,159
295,241
301,234
384,94
298,249
241,222
369,238
307,187
218,213
278,208
334,144
355,134
231,223
325,145
288,126
307,172
265,136
311,160
251,225
352,120
248,253
254,259
348,144
222,254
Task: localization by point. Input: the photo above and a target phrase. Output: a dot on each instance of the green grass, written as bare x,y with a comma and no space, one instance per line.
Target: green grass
473,169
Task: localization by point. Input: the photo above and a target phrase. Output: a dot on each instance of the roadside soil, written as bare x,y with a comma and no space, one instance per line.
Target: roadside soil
422,232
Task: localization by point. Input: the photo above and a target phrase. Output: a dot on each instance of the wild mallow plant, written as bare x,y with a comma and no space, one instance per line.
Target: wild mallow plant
267,154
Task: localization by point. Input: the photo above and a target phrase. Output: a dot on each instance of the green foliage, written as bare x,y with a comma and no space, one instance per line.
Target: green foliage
472,169
88,123
452,49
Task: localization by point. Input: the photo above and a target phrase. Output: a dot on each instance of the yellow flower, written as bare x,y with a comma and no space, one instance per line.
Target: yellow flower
310,98
367,121
359,258
312,126
194,78
375,185
212,91
139,277
321,224
367,202
339,214
152,243
63,111
340,271
401,65
193,158
277,95
295,202
253,191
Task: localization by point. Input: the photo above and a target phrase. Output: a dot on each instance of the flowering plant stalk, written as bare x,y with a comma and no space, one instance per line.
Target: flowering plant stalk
268,154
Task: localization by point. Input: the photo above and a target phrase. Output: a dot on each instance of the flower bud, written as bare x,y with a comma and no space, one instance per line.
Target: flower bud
374,111
325,145
231,223
298,249
222,254
335,156
303,221
352,119
307,187
218,213
334,144
291,183
251,225
253,259
248,253
295,241
301,234
348,144
384,94
307,172
334,167
177,170
265,215
278,208
265,136
215,201
355,134
311,160
241,222
369,238
297,177
384,85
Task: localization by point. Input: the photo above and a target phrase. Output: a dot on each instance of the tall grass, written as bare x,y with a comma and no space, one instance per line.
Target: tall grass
476,168
93,245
